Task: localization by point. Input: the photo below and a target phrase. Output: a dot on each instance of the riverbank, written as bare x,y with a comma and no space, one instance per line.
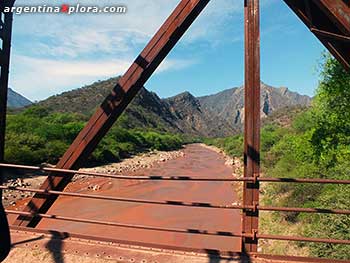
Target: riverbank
141,161
234,162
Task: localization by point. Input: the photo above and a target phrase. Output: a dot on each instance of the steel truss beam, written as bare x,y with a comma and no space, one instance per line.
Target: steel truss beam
251,122
5,37
112,107
329,20
114,249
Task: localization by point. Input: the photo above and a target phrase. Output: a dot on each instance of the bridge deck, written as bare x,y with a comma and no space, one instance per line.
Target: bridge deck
56,247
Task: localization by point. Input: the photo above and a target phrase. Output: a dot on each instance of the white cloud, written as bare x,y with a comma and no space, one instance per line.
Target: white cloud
79,34
58,52
39,78
175,64
47,77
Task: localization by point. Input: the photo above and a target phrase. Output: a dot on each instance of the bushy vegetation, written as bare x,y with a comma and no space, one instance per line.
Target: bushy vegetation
232,146
37,135
120,143
316,145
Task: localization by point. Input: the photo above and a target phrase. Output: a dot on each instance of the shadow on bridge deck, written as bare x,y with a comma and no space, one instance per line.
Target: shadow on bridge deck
54,247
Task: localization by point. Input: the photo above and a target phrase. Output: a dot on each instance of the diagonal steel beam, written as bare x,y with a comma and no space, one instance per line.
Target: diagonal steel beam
329,20
112,107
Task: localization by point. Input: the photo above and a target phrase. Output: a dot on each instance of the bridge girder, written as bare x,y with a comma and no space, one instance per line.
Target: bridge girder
5,46
327,19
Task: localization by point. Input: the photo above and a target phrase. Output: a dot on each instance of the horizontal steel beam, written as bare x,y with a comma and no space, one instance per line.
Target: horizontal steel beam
303,239
180,203
113,248
133,226
121,250
129,200
185,231
175,178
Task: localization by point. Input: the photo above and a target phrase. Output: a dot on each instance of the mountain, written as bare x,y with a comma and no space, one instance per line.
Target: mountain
229,104
284,117
15,100
215,115
83,100
179,114
194,119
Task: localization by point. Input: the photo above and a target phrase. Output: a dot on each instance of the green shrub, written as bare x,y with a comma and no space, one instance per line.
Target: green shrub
36,136
232,146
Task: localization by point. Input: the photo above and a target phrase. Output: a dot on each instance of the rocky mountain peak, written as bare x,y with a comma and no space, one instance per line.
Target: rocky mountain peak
216,115
231,106
284,90
16,100
185,98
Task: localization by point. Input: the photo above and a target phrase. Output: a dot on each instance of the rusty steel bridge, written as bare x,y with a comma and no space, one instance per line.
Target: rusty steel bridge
328,20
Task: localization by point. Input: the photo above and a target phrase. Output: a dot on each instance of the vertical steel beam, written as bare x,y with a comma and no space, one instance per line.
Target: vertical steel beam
112,107
251,121
5,36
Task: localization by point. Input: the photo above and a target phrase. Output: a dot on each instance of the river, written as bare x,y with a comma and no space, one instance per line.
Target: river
198,161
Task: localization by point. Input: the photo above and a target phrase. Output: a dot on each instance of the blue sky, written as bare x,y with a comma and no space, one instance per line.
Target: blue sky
52,53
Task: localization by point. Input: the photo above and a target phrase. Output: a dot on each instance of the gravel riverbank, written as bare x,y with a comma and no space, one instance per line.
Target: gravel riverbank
133,164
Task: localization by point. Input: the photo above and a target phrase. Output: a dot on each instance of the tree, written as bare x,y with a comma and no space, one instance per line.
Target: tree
332,108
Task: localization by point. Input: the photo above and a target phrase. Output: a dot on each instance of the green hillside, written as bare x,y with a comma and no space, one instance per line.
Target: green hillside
316,144
37,135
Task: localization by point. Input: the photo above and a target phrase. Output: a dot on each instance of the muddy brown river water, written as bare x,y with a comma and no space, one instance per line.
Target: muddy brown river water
198,161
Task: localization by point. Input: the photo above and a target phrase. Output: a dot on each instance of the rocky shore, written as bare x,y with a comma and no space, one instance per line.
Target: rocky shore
135,163
126,166
235,163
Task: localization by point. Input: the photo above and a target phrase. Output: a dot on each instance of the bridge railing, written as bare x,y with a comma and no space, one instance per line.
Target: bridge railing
256,235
